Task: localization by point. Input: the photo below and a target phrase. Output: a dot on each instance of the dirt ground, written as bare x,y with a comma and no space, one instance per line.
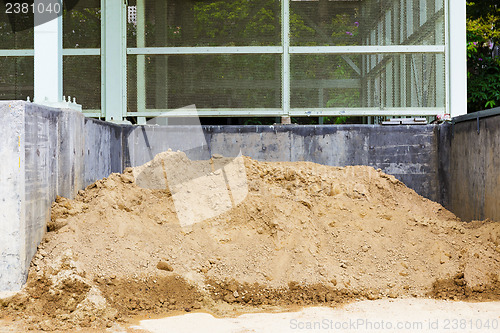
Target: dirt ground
226,235
384,315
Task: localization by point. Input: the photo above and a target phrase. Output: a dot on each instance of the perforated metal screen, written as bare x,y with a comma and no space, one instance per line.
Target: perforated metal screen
82,25
16,78
318,80
353,81
82,79
16,73
171,62
13,37
81,72
367,22
208,81
208,23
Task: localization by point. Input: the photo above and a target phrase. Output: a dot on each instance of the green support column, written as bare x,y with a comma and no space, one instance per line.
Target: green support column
161,62
113,59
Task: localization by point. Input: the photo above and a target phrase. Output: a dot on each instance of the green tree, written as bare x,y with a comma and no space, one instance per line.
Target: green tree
483,74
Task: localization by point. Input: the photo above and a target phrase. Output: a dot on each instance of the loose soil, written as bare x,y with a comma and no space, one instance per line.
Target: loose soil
287,234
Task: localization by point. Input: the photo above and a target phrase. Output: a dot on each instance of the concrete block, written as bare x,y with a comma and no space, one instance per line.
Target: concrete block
102,150
43,156
474,168
330,145
71,153
12,188
142,143
41,172
263,143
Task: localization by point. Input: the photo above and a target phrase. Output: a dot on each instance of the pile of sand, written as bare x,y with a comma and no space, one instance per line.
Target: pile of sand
284,234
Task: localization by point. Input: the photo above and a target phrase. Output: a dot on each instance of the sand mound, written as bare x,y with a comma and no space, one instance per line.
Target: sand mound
285,233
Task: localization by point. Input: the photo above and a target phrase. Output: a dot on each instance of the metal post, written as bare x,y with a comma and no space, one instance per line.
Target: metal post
457,55
113,59
141,60
161,61
285,41
47,58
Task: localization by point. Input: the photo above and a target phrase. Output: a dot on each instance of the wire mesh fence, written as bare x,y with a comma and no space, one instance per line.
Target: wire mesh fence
235,54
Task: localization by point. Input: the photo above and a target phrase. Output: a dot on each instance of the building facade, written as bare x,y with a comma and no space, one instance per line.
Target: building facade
147,58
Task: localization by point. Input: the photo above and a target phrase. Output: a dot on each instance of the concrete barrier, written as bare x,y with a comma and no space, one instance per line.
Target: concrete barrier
472,161
47,152
102,150
44,152
12,188
408,152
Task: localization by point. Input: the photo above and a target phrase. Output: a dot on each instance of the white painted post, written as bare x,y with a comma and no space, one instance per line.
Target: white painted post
48,57
285,40
113,59
457,55
141,60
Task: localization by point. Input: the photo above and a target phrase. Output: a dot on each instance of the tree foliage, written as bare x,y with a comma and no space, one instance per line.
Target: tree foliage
483,37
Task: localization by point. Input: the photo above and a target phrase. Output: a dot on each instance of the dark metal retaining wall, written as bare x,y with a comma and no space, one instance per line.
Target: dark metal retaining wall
470,166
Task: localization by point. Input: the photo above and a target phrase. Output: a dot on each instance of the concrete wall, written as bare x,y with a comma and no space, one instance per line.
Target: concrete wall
12,187
102,150
408,152
473,161
45,152
52,166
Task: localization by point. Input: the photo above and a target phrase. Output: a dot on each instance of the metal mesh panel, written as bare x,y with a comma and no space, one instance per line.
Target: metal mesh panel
82,25
8,39
325,81
16,78
207,23
132,83
383,80
413,80
82,79
368,22
208,81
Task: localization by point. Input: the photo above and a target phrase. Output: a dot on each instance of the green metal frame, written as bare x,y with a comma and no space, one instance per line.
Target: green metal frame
285,50
285,42
141,59
113,59
114,51
295,112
